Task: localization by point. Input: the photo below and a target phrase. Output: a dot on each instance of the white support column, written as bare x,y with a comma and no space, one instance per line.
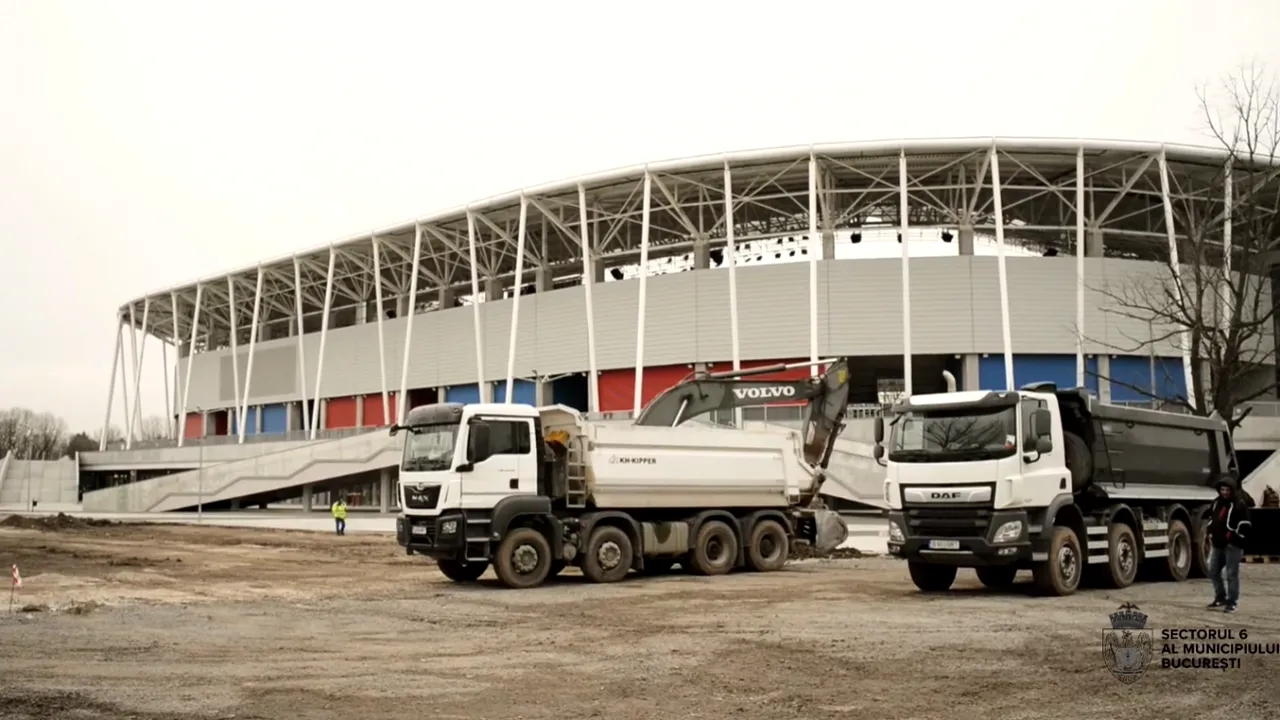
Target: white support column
815,248
139,355
130,420
111,386
124,396
904,224
589,279
1080,253
302,360
248,369
382,347
481,385
1226,302
324,335
733,279
644,280
191,355
515,298
401,409
235,352
171,401
170,421
1184,340
998,206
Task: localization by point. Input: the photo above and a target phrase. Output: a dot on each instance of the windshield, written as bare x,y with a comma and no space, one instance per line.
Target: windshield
429,447
954,434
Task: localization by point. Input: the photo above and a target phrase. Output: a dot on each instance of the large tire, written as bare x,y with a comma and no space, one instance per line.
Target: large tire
523,559
462,571
609,555
997,577
768,547
1201,545
1060,574
715,549
1079,461
932,578
1123,555
1182,549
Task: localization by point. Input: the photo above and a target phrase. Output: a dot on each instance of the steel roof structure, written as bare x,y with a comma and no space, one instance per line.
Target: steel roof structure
800,192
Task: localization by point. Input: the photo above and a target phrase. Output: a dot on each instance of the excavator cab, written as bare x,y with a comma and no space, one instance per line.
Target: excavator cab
827,398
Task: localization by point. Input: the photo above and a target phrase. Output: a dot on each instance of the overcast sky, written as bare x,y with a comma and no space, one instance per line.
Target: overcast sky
146,143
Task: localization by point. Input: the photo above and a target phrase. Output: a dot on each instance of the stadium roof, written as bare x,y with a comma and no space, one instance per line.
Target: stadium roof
856,186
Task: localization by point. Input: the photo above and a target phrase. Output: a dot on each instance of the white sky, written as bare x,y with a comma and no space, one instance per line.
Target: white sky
145,143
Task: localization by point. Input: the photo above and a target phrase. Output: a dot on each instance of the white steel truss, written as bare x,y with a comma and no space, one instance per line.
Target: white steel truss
688,214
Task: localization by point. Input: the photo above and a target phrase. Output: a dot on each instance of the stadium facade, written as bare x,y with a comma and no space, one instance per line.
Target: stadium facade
558,293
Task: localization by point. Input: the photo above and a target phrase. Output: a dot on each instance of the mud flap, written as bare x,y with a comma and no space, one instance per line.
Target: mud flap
830,530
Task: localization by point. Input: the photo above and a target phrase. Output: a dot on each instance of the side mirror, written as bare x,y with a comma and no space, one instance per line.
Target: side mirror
394,429
879,429
477,442
878,452
1041,424
1044,445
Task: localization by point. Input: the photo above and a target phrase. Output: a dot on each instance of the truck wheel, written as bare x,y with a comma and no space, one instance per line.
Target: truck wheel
769,546
1079,460
1122,556
1177,566
1201,545
609,555
523,559
932,578
1060,574
462,571
715,550
997,577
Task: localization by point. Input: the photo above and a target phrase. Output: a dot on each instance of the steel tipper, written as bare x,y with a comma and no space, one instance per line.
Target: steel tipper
1048,480
530,491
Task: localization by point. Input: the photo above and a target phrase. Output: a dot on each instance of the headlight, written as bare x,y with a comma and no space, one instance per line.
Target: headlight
1008,532
448,527
895,532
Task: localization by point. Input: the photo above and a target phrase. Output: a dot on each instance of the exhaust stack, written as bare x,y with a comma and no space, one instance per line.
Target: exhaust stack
951,380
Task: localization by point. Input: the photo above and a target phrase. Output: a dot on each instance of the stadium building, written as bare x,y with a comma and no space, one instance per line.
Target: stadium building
601,291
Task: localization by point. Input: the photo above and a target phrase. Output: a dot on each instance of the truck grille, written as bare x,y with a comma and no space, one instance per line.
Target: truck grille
421,498
951,522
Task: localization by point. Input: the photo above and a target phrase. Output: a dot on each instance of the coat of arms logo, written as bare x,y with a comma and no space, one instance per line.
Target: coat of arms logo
1127,648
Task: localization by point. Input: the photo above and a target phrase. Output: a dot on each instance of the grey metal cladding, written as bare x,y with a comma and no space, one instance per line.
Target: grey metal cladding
955,309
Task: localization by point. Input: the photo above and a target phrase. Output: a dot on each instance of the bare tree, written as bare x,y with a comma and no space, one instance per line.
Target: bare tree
154,427
1213,300
31,435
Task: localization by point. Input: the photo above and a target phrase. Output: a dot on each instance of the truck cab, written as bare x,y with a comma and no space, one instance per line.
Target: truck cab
963,469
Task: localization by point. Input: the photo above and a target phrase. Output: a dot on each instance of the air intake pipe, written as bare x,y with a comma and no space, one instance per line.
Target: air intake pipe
951,380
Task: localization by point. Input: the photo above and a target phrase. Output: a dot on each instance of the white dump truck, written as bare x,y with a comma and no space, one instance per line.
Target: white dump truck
530,491
1051,481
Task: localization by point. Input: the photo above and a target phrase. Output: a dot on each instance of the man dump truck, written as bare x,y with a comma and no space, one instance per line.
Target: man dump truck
533,490
1048,480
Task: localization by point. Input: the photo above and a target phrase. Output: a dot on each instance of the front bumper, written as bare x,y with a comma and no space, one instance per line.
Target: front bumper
436,536
963,551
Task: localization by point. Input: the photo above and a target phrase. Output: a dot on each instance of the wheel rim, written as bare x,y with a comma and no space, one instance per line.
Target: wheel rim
769,547
1067,563
1180,550
609,555
716,550
1125,557
525,559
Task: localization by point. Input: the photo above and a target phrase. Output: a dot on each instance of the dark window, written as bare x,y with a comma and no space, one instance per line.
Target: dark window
508,437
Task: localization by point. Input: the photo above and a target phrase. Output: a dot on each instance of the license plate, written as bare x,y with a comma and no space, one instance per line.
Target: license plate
419,530
944,544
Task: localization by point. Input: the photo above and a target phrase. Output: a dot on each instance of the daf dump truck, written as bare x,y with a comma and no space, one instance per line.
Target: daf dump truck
1048,480
530,491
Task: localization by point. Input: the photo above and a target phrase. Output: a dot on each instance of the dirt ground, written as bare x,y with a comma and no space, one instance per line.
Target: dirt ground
183,622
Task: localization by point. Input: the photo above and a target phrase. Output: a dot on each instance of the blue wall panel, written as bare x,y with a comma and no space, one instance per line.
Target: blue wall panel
275,418
524,391
462,394
1132,380
250,427
1057,369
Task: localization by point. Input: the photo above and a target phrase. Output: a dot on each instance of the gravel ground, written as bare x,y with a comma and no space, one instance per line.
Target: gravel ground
184,622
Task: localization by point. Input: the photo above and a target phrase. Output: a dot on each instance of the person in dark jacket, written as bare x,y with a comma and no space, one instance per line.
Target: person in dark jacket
1228,528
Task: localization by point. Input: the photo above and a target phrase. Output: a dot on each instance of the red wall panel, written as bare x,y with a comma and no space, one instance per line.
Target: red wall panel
373,409
799,373
617,387
193,427
341,413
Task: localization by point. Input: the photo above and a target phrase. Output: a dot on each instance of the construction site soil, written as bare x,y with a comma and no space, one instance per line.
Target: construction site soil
172,621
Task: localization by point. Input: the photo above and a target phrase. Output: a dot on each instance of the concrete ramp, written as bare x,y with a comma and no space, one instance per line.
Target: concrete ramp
265,475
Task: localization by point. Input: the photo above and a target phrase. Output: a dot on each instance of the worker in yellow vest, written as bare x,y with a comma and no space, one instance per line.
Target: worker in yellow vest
339,511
